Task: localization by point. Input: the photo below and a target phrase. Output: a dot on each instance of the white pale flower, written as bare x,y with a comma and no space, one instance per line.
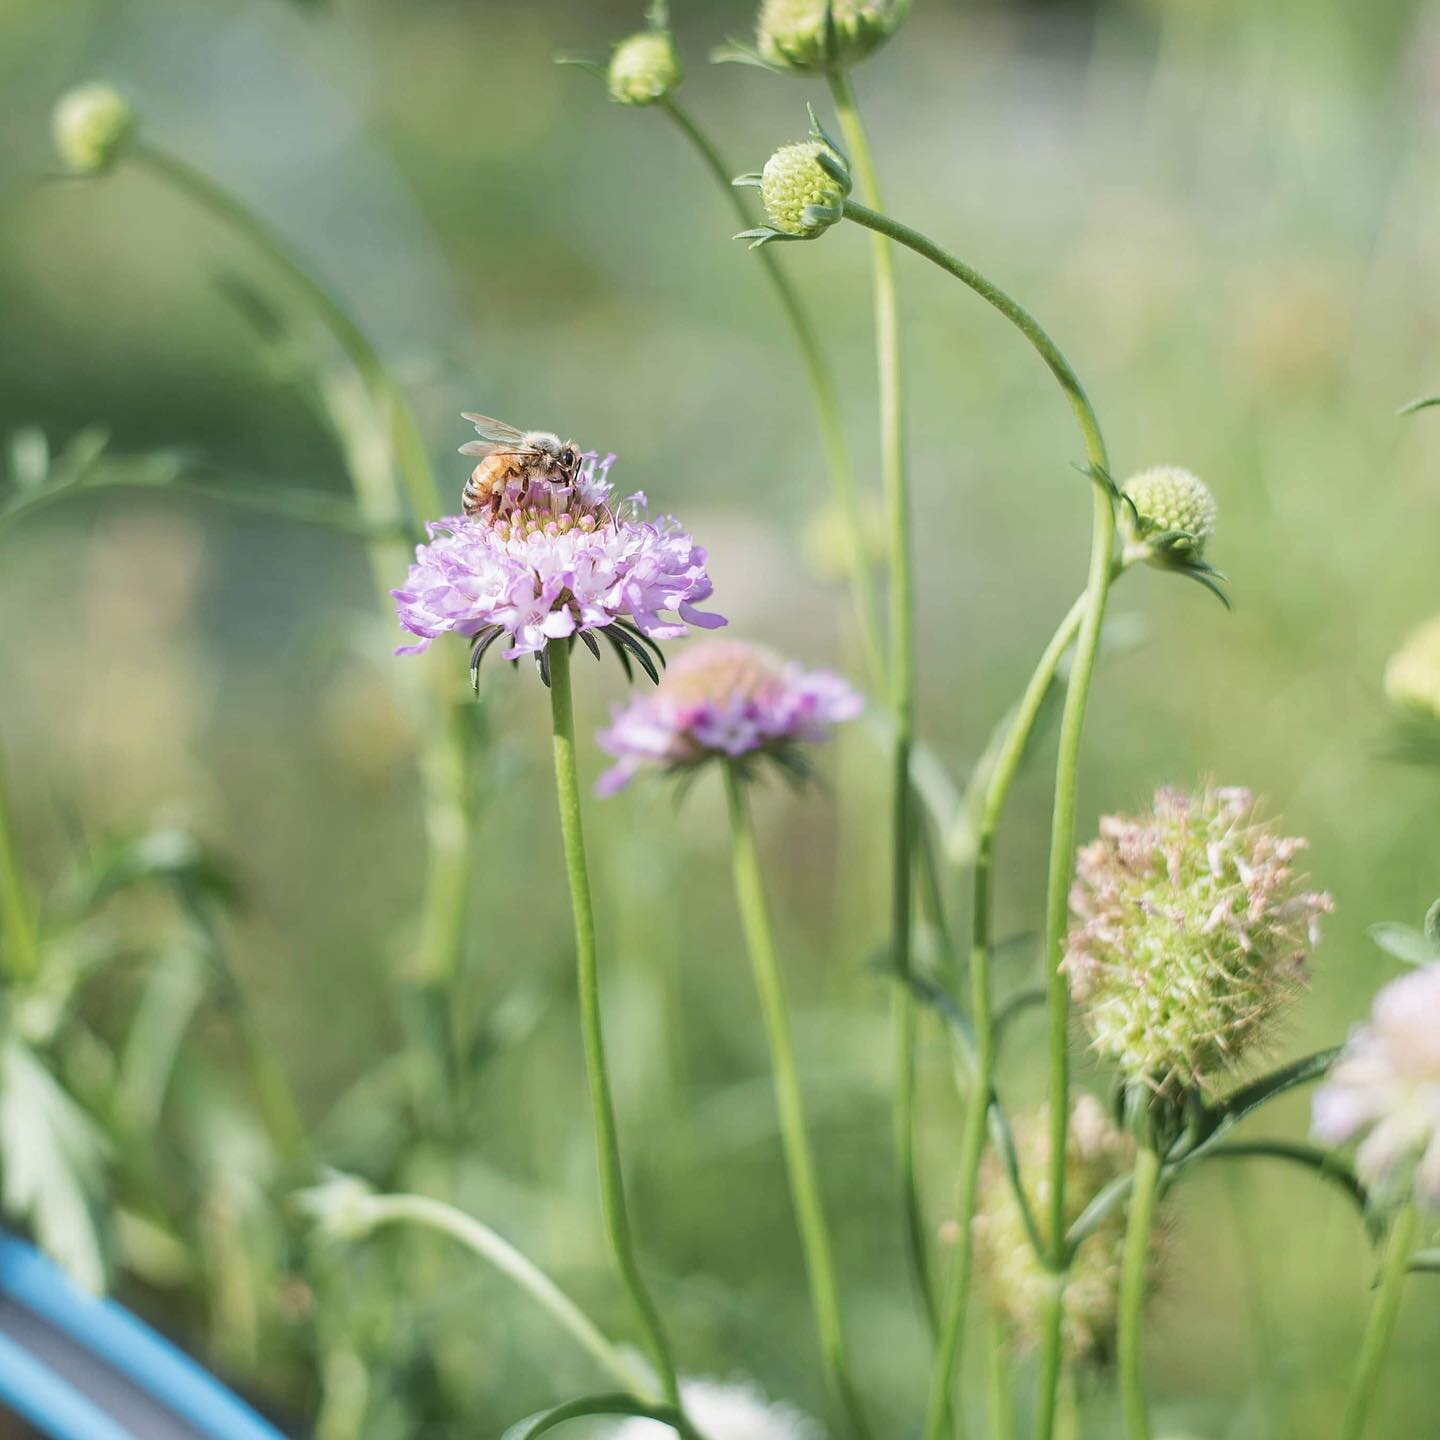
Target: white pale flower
728,1411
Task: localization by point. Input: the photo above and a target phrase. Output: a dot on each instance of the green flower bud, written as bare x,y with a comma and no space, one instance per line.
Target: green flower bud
644,68
341,1207
804,188
91,127
1017,1284
791,34
1412,676
1172,501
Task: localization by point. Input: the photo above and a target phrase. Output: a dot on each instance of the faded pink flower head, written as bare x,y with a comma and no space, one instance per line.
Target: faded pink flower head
1190,929
548,561
1386,1087
729,699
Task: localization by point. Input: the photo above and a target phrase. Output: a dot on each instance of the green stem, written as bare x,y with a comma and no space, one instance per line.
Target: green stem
1134,1267
1379,1329
409,448
823,391
799,1161
997,792
1001,1402
1072,724
17,919
612,1180
1052,1358
435,1215
902,678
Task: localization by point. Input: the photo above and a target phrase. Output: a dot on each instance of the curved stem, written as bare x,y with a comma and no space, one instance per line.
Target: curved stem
799,1161
612,1180
997,792
822,387
435,1215
1379,1329
902,679
1072,724
1133,1267
17,919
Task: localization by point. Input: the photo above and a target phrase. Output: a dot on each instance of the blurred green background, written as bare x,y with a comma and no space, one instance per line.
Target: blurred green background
1226,213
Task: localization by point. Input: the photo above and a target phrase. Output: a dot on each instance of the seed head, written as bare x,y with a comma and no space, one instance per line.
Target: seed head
1190,930
1018,1284
91,126
792,34
804,187
1172,502
1412,676
644,68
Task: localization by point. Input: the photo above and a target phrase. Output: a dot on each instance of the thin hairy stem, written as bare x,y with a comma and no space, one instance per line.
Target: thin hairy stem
607,1142
1134,1265
823,391
484,1242
17,918
799,1161
978,1099
902,680
1380,1328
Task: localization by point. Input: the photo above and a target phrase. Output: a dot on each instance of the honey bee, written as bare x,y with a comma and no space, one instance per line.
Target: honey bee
508,455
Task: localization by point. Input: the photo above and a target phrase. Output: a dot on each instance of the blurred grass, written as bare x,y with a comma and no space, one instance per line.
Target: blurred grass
1226,214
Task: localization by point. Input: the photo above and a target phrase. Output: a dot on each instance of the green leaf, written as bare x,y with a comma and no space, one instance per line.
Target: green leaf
172,994
1432,925
1426,1262
617,1404
1324,1163
166,853
1249,1098
1423,403
1406,943
53,1162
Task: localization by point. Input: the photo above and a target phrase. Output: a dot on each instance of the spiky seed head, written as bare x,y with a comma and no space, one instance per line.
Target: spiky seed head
91,126
1190,931
791,34
644,68
798,190
1169,499
1018,1285
1412,675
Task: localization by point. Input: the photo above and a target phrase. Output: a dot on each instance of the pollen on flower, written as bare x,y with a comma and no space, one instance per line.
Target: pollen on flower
547,560
724,698
1190,929
1018,1285
1384,1087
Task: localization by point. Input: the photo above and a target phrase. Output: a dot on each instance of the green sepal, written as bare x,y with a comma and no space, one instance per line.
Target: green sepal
1407,944
1425,1262
614,1404
737,52
751,180
1425,402
766,235
1432,924
580,62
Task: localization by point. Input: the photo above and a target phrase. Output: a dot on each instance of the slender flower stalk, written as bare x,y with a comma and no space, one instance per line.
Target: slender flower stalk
1062,834
17,919
902,675
1133,1275
823,391
347,1210
997,793
443,763
612,1181
1379,1329
804,1186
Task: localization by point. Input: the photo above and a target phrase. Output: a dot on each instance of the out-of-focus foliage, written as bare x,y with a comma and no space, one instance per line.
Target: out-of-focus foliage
1226,214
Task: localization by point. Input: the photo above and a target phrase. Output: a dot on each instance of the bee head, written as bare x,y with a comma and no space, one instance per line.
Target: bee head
564,453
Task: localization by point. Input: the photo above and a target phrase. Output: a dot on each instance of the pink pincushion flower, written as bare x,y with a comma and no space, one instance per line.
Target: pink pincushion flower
724,699
1386,1087
552,561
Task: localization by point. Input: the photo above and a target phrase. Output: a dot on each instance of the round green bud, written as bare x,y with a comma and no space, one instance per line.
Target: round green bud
791,34
644,69
91,127
1167,499
1412,676
794,180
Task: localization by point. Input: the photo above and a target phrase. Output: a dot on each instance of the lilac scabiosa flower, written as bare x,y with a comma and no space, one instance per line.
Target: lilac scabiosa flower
547,561
1386,1086
1190,930
735,1411
725,699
